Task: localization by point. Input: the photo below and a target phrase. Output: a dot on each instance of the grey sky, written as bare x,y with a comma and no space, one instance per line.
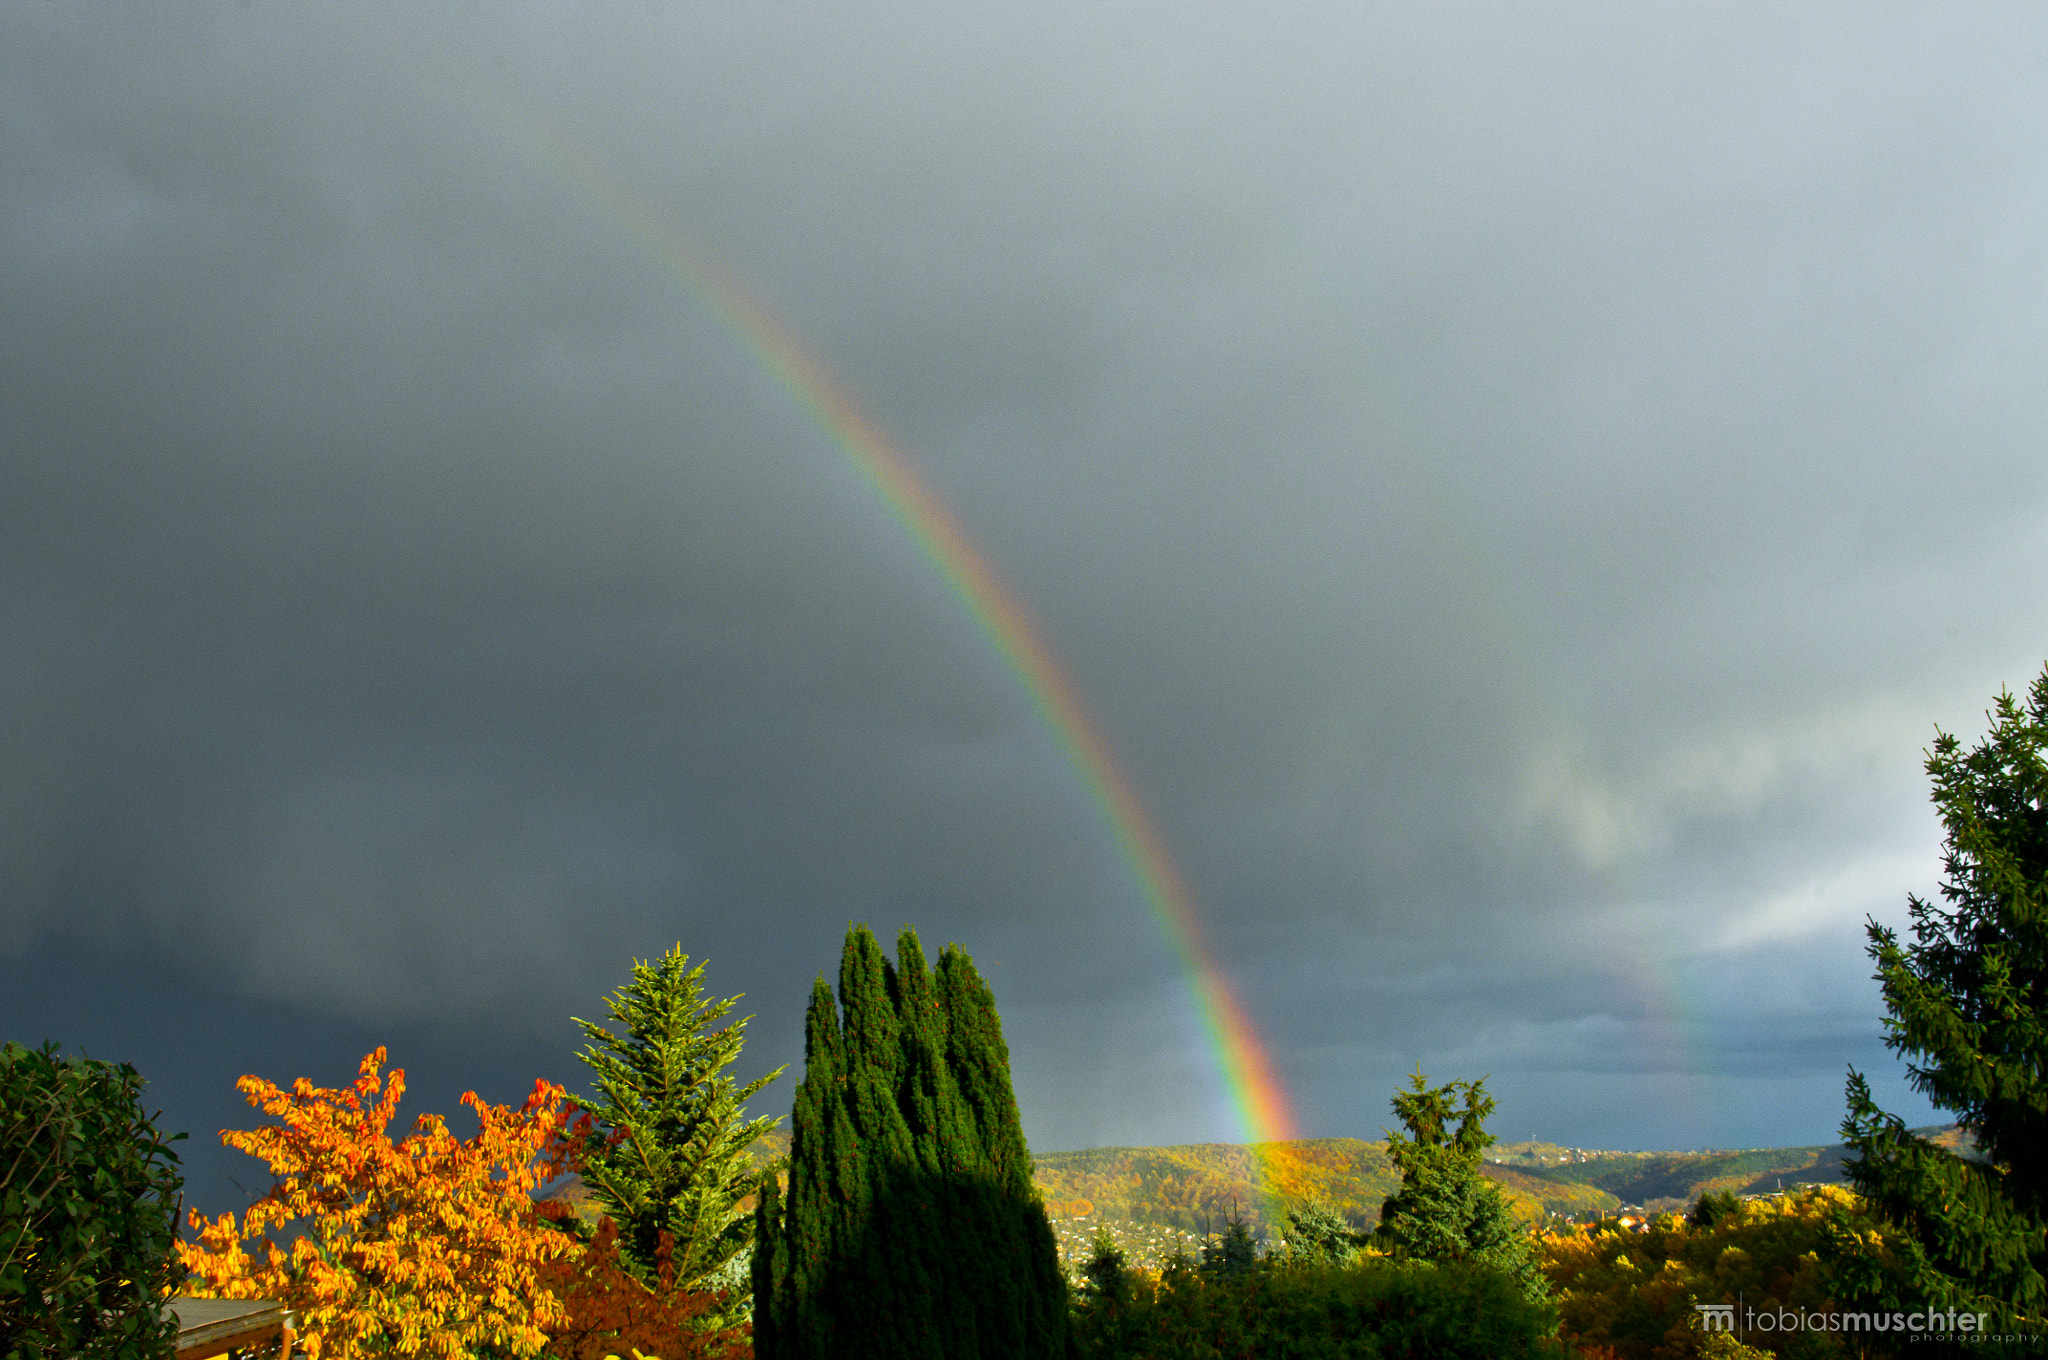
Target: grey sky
1518,491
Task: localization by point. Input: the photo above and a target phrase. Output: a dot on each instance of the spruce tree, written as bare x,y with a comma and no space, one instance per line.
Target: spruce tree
670,1153
1446,1210
911,1227
1967,1004
1233,1255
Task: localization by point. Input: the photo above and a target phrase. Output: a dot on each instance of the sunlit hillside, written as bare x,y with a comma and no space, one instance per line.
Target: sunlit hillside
1157,1200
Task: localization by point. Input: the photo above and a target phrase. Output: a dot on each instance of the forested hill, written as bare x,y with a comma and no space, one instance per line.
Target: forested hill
1186,1187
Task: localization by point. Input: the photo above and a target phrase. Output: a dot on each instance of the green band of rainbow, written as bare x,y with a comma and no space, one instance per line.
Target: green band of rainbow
1259,1102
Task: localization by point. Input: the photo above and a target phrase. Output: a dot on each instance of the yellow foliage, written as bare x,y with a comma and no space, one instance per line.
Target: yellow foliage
428,1247
1631,1295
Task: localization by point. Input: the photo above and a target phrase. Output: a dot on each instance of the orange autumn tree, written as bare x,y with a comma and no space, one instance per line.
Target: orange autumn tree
610,1313
430,1247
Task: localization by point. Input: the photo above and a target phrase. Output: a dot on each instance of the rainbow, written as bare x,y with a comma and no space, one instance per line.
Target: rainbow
1247,1071
1259,1101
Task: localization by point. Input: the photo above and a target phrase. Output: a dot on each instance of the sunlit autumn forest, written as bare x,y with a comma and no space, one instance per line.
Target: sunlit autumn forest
1197,1188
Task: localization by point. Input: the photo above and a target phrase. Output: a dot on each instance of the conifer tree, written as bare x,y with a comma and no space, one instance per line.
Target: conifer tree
1968,1006
1022,1291
1446,1209
911,1227
670,1151
1233,1255
1317,1232
770,1267
797,1237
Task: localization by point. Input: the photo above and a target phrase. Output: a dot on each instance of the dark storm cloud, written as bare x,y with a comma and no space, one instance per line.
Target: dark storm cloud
1516,491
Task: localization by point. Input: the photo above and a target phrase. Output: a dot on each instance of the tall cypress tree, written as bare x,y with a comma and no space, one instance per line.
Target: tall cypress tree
911,1227
1024,1312
828,1194
770,1266
1968,1003
927,1187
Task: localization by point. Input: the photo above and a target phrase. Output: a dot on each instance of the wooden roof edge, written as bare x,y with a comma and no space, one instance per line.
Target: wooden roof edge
222,1338
259,1315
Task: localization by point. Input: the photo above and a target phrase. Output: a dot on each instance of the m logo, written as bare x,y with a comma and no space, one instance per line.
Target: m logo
1716,1317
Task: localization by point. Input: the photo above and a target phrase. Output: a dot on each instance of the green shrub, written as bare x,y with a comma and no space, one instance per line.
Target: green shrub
1299,1310
89,1200
1317,1232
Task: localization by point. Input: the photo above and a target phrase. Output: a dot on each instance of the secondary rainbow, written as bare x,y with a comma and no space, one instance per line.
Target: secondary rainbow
1259,1101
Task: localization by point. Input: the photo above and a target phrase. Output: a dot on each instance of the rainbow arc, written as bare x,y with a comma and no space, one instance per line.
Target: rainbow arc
1258,1099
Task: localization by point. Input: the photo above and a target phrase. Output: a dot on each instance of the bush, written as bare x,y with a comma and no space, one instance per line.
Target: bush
1296,1310
89,1200
1317,1232
610,1313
